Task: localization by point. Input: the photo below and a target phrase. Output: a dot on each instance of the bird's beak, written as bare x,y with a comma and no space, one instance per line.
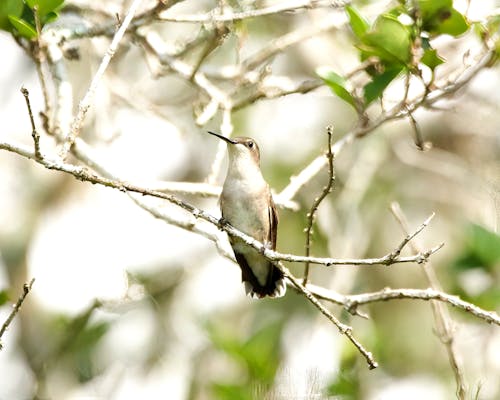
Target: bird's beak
223,138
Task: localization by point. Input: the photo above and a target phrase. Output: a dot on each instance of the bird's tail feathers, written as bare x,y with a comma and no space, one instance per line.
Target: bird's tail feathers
258,293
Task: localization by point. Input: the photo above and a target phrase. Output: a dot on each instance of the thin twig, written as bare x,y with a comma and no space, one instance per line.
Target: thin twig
344,329
34,132
263,92
317,201
15,309
153,44
211,43
281,43
61,120
442,319
86,102
39,57
410,236
109,28
282,8
189,188
419,141
226,129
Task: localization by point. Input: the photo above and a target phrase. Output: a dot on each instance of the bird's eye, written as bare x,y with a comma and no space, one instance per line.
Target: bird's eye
250,144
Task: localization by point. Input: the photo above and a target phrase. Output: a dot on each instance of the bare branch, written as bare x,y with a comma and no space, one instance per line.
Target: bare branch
189,188
344,329
34,132
410,236
264,92
60,122
15,309
84,174
317,201
351,302
153,44
442,319
226,130
210,44
283,42
418,139
86,102
39,57
216,16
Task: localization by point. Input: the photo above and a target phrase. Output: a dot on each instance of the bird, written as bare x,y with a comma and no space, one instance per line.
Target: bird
247,204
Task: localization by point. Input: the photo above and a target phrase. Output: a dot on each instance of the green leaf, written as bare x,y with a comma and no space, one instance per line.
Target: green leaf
4,297
85,345
455,25
439,17
90,336
9,7
482,249
50,17
23,28
337,83
358,24
431,59
45,6
376,87
389,39
431,7
485,244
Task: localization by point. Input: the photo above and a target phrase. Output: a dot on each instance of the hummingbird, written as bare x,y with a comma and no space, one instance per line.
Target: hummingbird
247,204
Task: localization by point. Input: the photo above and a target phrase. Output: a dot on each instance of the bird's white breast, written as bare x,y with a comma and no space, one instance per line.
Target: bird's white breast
245,198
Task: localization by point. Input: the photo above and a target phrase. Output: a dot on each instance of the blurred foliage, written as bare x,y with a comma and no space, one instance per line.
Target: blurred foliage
346,384
77,341
4,296
84,348
18,16
480,253
481,250
257,356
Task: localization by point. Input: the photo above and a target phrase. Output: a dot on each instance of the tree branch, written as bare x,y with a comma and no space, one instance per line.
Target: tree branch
351,302
317,201
85,174
397,112
442,319
344,329
34,133
89,95
15,309
217,16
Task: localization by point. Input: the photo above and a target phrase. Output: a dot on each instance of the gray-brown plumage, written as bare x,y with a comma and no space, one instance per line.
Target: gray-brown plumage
247,204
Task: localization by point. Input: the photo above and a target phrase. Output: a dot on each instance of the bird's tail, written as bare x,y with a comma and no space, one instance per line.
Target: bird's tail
275,287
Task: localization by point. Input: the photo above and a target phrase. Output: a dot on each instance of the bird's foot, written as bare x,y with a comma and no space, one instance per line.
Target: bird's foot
220,224
267,246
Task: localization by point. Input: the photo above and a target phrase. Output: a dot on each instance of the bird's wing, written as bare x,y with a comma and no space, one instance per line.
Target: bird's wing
273,222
